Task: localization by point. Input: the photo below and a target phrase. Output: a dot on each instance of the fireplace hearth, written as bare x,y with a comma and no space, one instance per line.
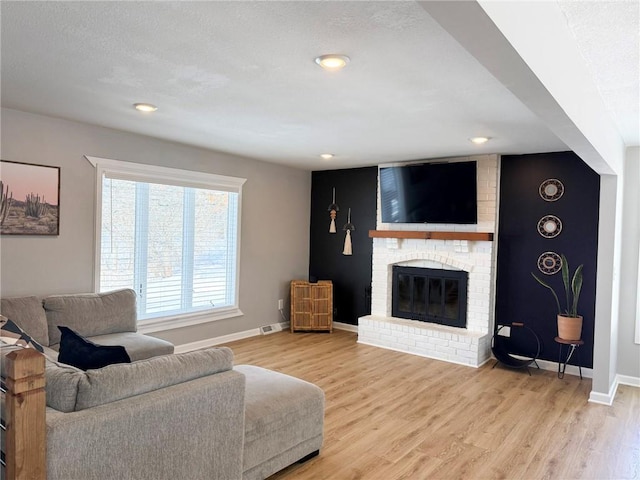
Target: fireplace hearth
430,295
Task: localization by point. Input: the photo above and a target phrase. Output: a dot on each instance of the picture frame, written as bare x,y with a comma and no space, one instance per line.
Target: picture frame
29,199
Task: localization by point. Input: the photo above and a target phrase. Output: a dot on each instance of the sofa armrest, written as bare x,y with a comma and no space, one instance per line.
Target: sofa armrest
189,431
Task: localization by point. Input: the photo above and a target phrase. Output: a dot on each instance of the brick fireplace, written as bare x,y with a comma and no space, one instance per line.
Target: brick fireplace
467,346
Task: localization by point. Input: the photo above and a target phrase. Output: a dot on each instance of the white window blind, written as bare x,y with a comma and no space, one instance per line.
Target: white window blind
172,236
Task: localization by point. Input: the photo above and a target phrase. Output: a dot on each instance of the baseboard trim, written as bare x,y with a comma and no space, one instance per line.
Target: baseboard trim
210,342
605,398
232,337
345,326
628,380
570,370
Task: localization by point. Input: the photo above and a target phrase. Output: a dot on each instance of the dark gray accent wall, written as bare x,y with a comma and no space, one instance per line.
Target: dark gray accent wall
519,298
351,275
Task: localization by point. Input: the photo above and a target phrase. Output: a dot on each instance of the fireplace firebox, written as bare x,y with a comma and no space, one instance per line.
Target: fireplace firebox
430,295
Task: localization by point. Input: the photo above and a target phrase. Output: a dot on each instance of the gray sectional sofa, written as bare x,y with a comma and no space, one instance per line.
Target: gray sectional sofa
104,318
164,416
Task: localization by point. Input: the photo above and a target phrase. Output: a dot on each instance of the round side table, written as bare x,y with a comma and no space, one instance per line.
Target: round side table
572,345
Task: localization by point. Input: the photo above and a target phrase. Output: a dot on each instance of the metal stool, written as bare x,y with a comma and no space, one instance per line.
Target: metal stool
572,346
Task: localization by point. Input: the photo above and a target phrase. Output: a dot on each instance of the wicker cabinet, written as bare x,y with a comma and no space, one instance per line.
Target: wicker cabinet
311,306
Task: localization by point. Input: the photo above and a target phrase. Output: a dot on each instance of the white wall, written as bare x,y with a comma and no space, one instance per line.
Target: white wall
275,216
628,350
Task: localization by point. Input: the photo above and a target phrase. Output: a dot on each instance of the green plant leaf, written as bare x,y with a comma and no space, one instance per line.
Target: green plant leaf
550,289
565,280
576,286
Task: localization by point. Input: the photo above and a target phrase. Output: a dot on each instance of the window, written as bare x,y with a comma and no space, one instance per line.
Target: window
172,236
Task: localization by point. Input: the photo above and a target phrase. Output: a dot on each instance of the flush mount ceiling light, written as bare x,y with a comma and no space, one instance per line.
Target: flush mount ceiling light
326,156
479,140
332,61
145,107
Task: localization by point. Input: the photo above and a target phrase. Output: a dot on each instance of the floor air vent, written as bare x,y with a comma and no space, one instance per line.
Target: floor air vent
267,329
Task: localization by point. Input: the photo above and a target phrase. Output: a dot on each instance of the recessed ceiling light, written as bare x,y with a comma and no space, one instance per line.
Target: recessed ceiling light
145,107
327,156
479,140
332,61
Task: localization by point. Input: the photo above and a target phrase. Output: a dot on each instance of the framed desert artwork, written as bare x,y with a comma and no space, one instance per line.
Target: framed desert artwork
29,199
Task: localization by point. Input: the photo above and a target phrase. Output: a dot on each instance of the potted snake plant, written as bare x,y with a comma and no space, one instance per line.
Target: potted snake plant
569,322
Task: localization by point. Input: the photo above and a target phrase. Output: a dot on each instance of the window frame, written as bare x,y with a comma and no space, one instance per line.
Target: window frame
637,333
170,176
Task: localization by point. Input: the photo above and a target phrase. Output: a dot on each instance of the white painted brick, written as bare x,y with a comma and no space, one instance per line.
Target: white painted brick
445,350
466,354
407,341
460,345
439,341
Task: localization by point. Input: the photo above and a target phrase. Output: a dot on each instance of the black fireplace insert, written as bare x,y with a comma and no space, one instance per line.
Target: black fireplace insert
430,295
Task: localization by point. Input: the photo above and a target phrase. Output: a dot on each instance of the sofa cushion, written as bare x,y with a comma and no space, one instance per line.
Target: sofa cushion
70,389
281,412
28,314
115,382
91,314
61,385
12,334
138,346
84,354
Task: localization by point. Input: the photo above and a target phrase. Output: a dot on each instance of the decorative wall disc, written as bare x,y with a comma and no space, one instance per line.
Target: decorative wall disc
551,189
549,226
549,263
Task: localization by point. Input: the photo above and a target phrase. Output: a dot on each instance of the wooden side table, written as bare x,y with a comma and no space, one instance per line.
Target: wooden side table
572,345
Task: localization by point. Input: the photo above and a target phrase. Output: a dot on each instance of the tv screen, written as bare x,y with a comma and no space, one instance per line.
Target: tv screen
429,193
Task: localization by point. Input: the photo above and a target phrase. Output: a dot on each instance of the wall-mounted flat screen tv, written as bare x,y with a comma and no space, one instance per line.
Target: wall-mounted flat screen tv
429,193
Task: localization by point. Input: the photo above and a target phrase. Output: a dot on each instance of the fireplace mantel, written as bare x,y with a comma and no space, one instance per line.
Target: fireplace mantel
472,236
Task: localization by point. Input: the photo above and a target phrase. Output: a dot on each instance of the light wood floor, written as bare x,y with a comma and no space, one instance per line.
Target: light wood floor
391,415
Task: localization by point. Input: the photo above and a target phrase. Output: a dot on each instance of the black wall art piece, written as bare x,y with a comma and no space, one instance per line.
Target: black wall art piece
29,199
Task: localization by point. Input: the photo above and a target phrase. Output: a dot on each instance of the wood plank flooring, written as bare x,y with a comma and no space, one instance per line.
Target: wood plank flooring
391,415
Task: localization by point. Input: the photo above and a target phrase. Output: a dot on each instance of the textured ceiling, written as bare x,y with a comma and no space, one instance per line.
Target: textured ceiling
239,77
607,35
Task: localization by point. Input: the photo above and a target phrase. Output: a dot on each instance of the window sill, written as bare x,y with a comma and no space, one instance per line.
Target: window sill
178,321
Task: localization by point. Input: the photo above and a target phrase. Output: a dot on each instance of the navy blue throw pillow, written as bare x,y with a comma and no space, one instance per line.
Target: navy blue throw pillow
81,353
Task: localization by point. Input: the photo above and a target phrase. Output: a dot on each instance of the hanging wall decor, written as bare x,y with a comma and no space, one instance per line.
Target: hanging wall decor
549,263
333,211
29,199
549,226
348,227
551,189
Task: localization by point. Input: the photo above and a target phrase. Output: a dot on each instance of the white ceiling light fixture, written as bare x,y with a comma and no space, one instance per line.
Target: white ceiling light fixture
479,140
332,62
145,107
327,156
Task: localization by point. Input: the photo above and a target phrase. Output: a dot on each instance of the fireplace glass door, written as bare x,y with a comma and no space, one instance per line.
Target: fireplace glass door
430,295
